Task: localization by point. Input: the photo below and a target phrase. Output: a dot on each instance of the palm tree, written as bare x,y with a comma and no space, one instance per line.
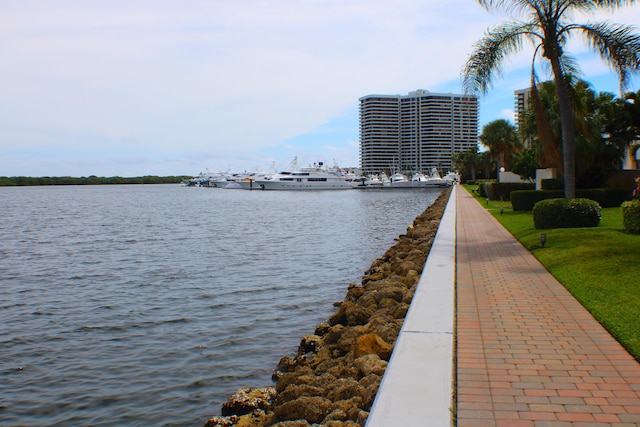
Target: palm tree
501,137
604,130
548,28
467,162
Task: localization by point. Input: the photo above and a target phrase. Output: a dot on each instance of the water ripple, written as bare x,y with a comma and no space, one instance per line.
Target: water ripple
150,305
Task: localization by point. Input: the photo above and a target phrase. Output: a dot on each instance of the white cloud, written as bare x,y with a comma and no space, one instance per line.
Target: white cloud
167,87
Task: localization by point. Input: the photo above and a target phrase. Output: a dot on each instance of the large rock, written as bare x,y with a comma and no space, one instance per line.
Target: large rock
311,409
247,400
309,344
322,329
343,370
395,293
399,311
347,340
296,423
412,277
357,314
295,377
351,407
333,335
227,421
344,389
354,292
370,364
385,326
294,392
372,344
337,423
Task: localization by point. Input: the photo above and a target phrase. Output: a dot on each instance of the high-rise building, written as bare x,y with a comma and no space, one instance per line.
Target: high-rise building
415,132
521,101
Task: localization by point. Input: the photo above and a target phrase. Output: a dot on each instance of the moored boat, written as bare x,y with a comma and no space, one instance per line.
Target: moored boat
311,178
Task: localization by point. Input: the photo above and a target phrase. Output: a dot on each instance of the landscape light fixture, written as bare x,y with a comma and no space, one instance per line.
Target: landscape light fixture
487,201
543,239
501,211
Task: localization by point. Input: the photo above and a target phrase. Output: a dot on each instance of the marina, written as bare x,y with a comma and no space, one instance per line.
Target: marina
320,177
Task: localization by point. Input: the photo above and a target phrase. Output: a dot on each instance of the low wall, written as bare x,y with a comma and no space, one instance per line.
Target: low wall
418,383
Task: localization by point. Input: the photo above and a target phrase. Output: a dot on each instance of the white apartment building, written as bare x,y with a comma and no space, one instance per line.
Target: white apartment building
521,103
415,132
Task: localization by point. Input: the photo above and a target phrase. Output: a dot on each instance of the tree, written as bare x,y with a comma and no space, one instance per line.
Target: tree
467,163
500,137
604,124
526,165
548,28
486,163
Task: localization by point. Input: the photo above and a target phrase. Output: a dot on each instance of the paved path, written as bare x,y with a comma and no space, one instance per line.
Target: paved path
528,353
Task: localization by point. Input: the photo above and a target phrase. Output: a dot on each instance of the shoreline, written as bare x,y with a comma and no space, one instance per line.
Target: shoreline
334,377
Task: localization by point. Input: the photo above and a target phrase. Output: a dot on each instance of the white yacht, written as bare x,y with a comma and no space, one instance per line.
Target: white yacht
208,179
435,180
399,180
452,177
420,180
419,177
311,178
371,181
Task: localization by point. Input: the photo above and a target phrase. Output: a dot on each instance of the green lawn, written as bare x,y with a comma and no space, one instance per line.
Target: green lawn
599,266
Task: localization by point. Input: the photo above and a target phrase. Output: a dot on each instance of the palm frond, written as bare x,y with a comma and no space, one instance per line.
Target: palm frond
617,45
590,5
612,4
514,8
490,52
569,65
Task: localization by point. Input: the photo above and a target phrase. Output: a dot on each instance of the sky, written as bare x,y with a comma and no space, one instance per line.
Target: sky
178,87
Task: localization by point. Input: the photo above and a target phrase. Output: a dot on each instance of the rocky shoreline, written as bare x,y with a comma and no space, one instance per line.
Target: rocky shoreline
333,379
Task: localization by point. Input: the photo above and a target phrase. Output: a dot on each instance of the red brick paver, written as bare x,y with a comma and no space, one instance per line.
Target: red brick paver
528,354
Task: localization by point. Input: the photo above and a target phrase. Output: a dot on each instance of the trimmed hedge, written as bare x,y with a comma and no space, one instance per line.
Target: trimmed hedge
524,200
481,186
564,213
502,190
552,184
631,216
606,197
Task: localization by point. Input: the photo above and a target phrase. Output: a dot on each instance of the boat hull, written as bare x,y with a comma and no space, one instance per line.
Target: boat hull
295,186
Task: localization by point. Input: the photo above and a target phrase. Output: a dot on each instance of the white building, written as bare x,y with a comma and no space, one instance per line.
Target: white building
415,132
521,105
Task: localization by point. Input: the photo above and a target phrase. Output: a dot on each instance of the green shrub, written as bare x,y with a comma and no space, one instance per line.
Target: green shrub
565,213
552,184
482,186
606,197
481,189
502,190
524,200
631,216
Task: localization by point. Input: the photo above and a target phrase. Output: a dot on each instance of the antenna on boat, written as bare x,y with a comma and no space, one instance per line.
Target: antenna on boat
294,164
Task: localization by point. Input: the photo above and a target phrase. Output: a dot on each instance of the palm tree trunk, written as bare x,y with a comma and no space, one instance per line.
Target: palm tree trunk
568,130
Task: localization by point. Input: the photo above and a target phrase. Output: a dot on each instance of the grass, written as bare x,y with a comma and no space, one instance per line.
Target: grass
600,266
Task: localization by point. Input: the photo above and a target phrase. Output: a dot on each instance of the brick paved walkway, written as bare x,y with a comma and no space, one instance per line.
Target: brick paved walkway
528,353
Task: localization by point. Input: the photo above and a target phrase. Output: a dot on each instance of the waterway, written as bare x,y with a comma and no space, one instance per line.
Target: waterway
145,305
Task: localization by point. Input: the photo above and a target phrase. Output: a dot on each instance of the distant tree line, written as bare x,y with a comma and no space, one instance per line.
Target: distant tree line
89,180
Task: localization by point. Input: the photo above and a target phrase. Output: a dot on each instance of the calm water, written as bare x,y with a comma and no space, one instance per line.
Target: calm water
151,305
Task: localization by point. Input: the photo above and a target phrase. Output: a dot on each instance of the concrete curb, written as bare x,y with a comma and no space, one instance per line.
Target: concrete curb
417,386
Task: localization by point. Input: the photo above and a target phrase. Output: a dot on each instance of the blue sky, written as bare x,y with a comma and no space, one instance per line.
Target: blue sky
129,88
